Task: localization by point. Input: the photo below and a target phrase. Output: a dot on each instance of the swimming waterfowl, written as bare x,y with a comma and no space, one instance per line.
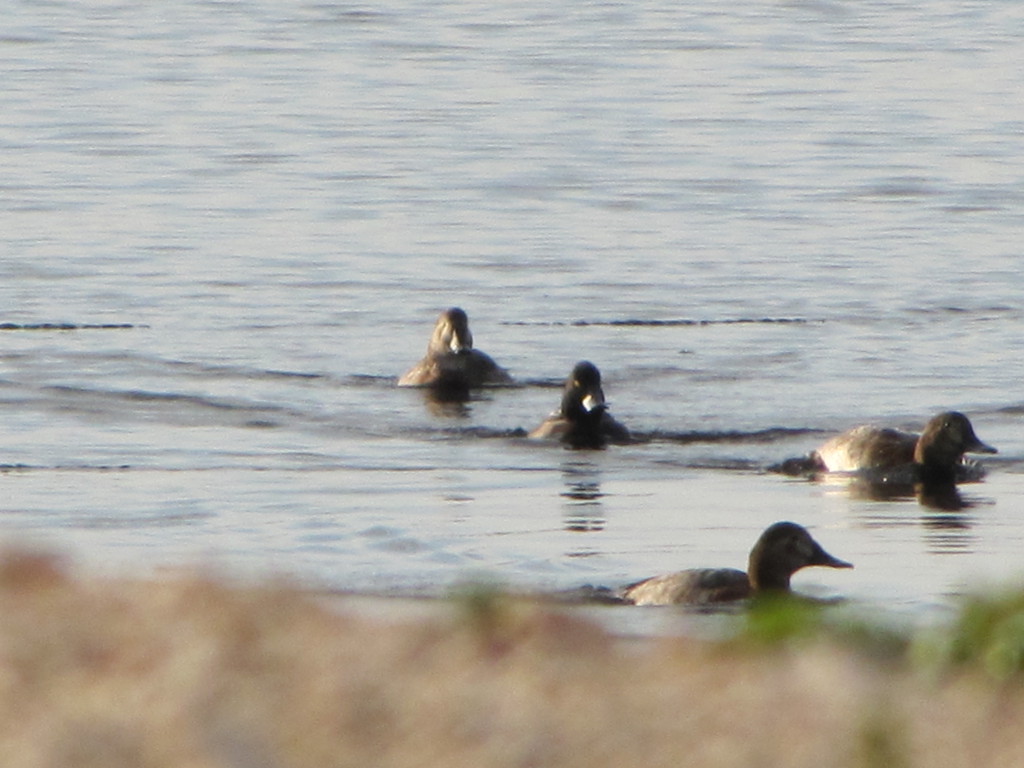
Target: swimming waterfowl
782,550
937,455
583,420
451,363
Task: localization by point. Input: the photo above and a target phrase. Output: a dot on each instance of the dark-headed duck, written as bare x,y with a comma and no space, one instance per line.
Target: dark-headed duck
934,456
451,363
583,420
782,550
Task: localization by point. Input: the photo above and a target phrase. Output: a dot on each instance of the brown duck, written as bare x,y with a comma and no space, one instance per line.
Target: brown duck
451,362
934,455
782,550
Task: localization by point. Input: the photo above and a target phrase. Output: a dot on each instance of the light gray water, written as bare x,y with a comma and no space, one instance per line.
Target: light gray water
753,215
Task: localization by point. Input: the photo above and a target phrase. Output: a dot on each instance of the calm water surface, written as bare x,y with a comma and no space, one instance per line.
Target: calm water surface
764,221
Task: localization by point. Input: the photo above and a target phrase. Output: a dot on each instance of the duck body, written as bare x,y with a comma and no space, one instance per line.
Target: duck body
936,455
451,362
697,586
782,550
582,420
466,369
866,448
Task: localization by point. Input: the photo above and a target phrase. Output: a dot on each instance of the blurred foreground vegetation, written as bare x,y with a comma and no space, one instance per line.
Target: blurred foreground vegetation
191,672
986,633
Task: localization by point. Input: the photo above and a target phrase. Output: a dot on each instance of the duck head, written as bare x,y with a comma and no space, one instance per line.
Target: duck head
451,333
946,438
783,549
583,405
583,394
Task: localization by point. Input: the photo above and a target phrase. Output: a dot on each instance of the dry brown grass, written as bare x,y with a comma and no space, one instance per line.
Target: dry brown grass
189,672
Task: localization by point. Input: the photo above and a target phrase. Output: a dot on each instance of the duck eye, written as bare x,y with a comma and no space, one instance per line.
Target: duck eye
799,545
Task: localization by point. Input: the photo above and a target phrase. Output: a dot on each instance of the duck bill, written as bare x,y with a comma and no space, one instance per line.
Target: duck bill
821,557
593,401
980,447
460,341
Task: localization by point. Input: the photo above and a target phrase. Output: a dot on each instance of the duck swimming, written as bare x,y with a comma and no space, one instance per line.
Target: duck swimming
582,420
782,550
934,456
451,363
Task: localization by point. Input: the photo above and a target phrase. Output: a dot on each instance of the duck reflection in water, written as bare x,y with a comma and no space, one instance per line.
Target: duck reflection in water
583,509
446,404
944,497
948,533
943,531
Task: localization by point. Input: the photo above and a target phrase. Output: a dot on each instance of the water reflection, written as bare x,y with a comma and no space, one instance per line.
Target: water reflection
945,497
447,403
944,533
938,496
582,507
947,526
948,533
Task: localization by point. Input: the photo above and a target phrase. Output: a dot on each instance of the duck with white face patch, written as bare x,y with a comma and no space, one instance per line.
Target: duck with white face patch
583,420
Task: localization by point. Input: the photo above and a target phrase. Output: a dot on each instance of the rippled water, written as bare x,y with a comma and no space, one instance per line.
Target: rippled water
227,228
